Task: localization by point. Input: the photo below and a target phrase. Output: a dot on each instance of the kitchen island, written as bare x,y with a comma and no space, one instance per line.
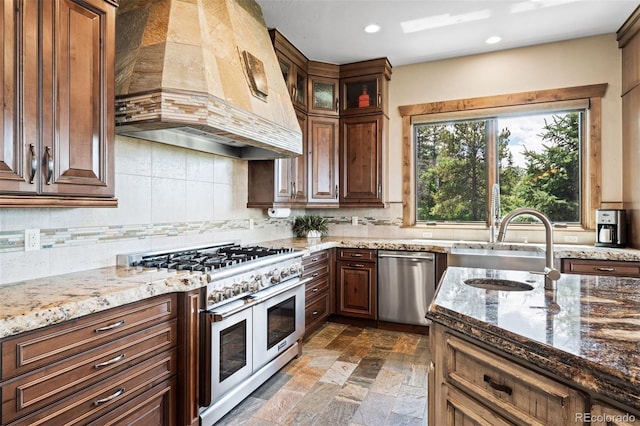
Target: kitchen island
579,342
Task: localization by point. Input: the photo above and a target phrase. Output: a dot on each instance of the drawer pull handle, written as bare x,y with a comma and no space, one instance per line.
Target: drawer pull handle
356,265
109,327
315,274
314,259
315,313
500,388
315,289
111,361
356,255
600,268
110,397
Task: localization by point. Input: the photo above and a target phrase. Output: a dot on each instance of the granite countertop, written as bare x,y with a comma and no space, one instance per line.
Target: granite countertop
586,331
31,304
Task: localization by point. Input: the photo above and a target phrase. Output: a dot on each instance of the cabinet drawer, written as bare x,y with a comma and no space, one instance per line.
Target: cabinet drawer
603,414
317,257
43,387
109,394
316,271
595,267
357,254
514,391
316,311
46,346
155,407
316,287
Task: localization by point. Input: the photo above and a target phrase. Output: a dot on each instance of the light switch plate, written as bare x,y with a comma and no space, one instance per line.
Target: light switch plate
31,239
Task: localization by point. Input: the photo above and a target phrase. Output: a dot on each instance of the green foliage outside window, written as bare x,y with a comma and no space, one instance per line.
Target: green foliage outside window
452,169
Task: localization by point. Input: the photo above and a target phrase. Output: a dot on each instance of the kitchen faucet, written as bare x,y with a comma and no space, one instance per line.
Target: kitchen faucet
495,212
551,274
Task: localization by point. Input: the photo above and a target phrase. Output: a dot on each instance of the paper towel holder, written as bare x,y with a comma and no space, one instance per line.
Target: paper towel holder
279,213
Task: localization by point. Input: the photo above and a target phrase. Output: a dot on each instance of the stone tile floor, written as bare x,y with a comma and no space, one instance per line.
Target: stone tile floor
346,376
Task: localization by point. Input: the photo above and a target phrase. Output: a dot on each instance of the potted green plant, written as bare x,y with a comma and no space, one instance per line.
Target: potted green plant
310,226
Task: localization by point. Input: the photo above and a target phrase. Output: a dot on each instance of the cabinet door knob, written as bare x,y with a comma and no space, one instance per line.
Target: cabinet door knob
337,105
33,162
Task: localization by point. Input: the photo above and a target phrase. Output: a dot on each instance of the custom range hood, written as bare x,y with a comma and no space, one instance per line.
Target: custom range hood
202,74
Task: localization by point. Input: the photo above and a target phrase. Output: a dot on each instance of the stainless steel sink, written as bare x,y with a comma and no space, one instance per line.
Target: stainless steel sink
498,284
497,258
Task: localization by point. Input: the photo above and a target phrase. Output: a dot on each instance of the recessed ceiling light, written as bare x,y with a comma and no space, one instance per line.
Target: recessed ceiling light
372,28
493,40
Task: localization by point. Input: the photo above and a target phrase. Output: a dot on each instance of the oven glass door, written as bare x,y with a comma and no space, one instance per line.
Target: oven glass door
231,352
277,324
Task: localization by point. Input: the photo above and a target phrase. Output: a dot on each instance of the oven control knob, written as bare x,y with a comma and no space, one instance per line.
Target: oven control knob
228,292
244,286
294,269
216,297
275,279
284,273
237,289
255,285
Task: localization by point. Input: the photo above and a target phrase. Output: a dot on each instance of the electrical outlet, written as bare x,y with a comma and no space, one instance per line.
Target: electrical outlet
251,224
570,239
354,220
427,234
31,239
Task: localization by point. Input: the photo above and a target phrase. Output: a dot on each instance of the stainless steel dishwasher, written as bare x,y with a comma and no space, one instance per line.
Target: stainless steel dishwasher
406,285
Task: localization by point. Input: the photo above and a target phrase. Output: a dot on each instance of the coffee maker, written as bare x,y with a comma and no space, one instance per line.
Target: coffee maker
611,228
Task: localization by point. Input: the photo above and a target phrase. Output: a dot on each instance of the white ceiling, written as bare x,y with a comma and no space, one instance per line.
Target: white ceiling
332,30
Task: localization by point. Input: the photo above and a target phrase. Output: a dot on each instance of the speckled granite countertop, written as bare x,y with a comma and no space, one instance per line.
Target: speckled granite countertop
28,305
586,331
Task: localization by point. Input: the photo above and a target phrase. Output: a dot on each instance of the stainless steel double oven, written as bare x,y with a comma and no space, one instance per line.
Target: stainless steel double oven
252,317
249,339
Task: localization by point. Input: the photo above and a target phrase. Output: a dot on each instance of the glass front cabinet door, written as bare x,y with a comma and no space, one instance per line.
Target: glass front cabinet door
324,96
362,95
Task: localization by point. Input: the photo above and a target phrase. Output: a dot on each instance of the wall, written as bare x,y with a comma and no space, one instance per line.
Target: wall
170,197
584,61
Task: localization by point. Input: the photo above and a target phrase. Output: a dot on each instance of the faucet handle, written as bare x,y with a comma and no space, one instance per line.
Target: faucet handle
550,273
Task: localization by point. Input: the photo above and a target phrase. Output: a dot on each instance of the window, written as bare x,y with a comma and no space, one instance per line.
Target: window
541,147
536,157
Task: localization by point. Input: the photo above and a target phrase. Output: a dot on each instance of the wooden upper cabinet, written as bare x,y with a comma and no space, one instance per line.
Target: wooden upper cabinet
78,74
364,87
293,65
323,157
59,129
324,84
323,97
19,165
361,160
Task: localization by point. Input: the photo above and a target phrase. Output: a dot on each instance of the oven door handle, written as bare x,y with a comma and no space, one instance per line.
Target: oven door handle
267,294
218,315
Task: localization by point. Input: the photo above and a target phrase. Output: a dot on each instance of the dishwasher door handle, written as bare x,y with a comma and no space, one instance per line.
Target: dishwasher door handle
406,256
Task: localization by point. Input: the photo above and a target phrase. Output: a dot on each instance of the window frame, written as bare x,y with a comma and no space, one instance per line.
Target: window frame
591,158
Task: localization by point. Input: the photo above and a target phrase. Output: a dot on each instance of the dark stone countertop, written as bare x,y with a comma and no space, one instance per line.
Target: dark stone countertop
586,331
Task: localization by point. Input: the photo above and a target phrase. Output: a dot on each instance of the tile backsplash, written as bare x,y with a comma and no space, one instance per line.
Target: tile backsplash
171,197
168,197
